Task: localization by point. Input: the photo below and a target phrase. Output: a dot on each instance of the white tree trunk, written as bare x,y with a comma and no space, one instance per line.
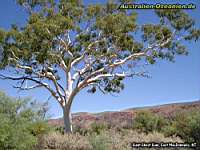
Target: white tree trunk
67,112
67,120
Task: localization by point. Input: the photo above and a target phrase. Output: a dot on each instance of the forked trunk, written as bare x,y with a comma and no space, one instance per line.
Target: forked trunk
67,120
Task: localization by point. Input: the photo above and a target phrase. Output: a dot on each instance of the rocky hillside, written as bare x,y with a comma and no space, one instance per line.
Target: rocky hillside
125,117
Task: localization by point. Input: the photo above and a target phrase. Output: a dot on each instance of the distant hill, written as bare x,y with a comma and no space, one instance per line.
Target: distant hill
126,116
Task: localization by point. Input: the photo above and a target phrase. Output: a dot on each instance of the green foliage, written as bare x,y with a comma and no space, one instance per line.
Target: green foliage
15,135
178,19
147,122
98,127
114,85
59,129
185,125
19,124
101,31
39,128
94,11
169,130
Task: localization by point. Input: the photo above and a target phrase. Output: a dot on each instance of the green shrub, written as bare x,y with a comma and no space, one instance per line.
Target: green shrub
82,131
39,127
18,121
98,127
59,129
147,122
194,125
169,130
187,126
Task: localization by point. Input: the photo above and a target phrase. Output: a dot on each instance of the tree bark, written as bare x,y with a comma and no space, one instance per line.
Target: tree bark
67,112
67,120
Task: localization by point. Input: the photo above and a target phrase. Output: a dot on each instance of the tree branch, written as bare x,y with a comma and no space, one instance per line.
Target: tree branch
27,88
94,75
40,83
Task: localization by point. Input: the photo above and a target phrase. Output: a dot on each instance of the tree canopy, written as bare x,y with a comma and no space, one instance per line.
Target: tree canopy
94,45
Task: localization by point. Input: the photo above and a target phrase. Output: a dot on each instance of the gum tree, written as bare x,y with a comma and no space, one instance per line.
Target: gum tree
66,46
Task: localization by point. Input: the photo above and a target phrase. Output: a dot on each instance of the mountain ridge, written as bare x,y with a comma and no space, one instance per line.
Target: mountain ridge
125,116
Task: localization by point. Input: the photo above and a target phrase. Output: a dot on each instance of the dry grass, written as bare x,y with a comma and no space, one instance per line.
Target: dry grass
106,140
123,140
57,141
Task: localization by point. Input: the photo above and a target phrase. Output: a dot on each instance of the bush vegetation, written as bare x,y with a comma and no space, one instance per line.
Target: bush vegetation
20,123
98,127
147,122
106,140
186,125
23,127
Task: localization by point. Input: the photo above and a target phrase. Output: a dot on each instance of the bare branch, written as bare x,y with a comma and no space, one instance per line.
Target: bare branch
28,8
66,46
77,60
27,88
98,73
143,74
48,75
40,83
133,56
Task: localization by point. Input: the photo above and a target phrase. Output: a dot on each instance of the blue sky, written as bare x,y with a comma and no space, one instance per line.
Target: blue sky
170,82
